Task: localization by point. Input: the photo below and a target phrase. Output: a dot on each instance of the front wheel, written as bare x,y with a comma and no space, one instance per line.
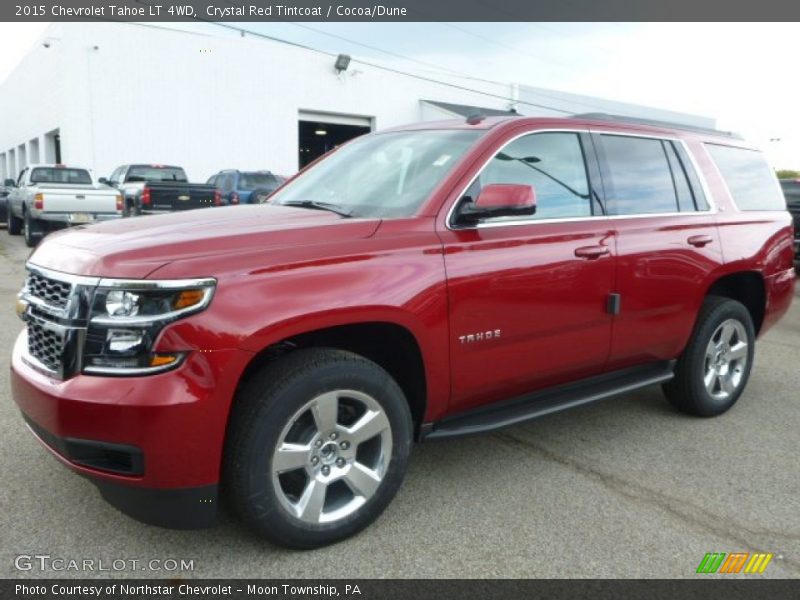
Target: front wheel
317,448
714,368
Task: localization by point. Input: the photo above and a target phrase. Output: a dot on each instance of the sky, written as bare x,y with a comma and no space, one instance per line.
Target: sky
738,73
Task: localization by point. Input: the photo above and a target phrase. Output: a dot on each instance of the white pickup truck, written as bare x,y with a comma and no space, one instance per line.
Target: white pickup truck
48,197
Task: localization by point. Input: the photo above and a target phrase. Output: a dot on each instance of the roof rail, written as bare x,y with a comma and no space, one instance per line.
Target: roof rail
655,123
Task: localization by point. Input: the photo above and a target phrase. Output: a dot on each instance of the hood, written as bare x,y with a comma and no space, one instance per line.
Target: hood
135,247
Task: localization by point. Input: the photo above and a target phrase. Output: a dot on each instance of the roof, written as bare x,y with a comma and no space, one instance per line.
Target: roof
626,120
466,110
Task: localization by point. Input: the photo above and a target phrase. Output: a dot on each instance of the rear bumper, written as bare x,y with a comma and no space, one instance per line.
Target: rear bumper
152,445
64,218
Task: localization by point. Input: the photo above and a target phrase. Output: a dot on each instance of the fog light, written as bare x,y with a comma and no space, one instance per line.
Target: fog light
122,341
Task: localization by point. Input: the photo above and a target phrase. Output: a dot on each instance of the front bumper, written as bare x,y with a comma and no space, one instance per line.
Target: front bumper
152,445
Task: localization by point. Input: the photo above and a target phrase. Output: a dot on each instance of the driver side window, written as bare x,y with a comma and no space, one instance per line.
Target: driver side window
553,163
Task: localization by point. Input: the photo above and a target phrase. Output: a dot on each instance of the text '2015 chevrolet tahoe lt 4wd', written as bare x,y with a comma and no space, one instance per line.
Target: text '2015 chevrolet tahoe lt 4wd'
419,283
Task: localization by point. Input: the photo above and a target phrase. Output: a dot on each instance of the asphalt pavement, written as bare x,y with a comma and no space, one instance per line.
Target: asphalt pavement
624,488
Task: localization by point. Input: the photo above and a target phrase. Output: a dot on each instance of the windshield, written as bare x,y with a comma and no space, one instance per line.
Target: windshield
150,173
384,175
60,175
251,181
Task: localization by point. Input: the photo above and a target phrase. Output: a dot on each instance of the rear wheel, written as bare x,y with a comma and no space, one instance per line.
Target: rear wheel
14,223
32,230
317,448
130,209
713,370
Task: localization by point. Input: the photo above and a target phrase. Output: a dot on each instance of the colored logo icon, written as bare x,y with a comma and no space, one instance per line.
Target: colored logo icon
735,562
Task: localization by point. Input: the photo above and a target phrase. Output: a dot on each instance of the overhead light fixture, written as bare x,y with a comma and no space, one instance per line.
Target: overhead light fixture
320,130
342,62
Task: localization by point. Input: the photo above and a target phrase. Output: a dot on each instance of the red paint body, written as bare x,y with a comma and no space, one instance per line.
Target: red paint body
285,271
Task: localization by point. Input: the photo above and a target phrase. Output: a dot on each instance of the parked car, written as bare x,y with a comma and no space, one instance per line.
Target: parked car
156,189
4,191
49,197
421,283
791,190
245,187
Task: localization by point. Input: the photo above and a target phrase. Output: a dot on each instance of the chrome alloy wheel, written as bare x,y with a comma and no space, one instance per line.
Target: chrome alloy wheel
726,359
332,456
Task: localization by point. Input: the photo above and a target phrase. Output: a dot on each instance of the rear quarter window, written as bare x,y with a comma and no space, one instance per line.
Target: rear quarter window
752,183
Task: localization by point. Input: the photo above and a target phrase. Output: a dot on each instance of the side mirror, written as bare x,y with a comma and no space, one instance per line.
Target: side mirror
501,200
10,183
103,180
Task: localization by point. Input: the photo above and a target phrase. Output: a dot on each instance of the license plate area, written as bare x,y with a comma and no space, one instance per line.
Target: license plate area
80,218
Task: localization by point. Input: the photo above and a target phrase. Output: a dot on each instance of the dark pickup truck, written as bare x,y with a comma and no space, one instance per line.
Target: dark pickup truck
791,189
155,189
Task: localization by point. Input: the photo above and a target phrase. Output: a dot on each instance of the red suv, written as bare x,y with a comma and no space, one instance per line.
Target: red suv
421,283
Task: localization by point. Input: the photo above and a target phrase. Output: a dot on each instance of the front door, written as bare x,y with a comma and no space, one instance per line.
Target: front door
529,296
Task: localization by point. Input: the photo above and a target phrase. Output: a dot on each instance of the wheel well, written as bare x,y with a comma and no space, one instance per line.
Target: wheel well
746,287
391,346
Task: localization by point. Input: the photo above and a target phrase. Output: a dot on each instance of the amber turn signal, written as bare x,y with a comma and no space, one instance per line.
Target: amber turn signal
159,360
187,298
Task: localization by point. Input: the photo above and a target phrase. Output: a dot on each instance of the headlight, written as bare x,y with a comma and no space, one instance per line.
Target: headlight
126,318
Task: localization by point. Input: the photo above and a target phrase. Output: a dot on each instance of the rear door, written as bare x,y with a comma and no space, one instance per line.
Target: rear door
526,311
667,243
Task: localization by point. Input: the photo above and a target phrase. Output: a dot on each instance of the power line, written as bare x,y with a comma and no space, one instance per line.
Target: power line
439,69
413,75
382,67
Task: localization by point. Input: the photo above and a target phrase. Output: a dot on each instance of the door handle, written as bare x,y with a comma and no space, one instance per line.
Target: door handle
591,252
699,241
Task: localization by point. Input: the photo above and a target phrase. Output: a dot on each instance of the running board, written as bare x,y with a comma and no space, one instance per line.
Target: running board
548,401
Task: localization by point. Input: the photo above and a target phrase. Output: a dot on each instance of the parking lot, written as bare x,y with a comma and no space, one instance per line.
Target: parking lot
624,488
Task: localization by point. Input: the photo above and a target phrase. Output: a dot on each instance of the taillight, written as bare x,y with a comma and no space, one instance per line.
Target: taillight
234,198
217,198
146,196
38,202
120,206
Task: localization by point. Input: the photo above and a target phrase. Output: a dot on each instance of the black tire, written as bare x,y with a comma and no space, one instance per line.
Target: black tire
263,411
688,390
32,230
14,223
130,209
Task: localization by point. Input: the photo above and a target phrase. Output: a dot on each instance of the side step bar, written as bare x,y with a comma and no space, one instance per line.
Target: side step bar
545,402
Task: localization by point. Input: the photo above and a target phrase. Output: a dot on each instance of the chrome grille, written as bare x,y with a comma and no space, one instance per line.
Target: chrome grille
51,292
45,345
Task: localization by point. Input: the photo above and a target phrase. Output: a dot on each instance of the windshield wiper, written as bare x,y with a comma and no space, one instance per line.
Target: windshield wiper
318,206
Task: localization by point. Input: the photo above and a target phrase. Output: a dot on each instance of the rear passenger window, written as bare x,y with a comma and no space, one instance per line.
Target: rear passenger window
752,183
641,179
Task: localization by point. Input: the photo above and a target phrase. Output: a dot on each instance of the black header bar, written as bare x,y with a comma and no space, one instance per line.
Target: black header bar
400,10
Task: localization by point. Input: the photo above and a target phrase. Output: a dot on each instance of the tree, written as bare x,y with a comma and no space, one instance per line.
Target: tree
788,174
